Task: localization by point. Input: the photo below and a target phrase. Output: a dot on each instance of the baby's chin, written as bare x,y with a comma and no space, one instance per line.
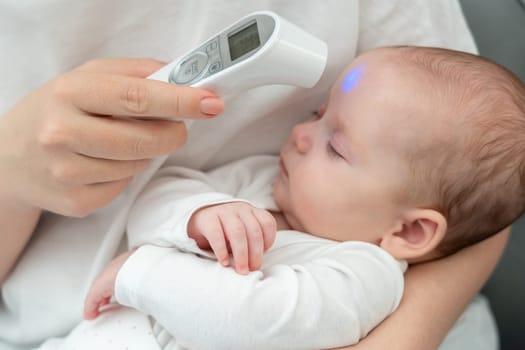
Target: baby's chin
277,193
279,197
293,222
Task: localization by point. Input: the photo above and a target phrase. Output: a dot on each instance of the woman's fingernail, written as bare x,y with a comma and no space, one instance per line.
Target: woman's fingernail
211,106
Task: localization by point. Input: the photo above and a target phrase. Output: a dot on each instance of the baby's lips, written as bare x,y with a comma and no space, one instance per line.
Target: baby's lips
322,109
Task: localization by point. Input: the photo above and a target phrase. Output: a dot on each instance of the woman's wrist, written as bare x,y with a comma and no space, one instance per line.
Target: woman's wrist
14,206
18,220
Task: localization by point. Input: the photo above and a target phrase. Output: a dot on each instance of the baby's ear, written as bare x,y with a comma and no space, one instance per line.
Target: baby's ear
418,234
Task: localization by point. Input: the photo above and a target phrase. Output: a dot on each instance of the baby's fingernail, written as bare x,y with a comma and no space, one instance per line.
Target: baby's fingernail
211,106
225,262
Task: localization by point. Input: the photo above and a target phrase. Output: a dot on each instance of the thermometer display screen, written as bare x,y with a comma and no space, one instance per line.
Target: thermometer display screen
244,41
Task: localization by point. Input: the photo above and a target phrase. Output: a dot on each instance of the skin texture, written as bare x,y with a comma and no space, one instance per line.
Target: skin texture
60,149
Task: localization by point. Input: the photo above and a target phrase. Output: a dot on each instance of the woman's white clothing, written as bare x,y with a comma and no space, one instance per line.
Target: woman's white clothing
43,297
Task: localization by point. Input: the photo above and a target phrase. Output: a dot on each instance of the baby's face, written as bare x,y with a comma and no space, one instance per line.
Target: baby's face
341,173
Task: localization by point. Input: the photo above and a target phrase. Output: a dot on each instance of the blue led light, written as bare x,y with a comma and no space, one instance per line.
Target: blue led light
352,78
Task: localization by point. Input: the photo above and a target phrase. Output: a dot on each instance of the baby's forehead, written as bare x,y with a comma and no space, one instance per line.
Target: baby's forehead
406,64
381,82
380,72
412,106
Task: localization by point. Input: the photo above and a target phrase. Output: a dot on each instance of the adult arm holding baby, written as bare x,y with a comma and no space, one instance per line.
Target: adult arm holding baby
62,150
426,314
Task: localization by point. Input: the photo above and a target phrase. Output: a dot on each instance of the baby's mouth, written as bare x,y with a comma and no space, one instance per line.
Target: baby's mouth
283,168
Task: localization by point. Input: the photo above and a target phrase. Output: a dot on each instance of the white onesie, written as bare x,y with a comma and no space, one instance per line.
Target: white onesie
310,293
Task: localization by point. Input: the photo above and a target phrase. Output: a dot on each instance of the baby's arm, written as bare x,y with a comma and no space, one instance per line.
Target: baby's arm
179,209
195,211
314,295
245,230
161,213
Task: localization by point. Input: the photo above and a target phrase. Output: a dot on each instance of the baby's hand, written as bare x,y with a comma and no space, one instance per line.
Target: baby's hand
238,227
103,288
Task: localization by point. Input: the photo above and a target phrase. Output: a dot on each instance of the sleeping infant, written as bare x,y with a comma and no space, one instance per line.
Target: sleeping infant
417,153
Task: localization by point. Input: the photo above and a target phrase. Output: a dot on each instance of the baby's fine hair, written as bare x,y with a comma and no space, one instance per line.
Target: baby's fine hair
474,177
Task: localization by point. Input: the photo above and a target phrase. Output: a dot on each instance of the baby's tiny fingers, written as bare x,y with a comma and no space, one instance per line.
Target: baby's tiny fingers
236,236
255,239
92,307
268,226
217,241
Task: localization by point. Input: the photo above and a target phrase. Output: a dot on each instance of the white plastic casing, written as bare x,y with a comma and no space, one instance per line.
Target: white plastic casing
290,56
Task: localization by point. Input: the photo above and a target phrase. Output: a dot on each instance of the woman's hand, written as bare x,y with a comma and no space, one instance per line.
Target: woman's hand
61,149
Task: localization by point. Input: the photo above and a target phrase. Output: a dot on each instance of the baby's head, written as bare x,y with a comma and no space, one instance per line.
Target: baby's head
418,150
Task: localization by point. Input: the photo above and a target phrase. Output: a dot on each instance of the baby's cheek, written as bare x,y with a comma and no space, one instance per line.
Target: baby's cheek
308,209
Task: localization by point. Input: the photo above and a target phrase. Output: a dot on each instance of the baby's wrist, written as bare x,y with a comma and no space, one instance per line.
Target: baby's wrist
193,231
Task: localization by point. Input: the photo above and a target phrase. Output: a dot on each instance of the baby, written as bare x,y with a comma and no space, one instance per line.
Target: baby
418,153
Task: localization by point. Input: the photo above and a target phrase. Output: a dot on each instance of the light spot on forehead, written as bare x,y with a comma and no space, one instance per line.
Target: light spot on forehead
352,78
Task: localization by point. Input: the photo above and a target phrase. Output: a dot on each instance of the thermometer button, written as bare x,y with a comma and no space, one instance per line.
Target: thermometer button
212,46
215,67
190,68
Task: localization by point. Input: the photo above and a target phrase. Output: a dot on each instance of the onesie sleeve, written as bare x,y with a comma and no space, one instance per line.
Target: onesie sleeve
161,212
313,294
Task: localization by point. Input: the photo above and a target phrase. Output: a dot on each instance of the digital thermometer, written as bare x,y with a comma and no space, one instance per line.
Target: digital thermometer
259,49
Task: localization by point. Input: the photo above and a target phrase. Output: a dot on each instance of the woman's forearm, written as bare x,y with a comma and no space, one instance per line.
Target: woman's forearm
436,294
17,222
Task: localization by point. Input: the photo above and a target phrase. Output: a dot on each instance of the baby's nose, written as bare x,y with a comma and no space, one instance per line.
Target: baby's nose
302,137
